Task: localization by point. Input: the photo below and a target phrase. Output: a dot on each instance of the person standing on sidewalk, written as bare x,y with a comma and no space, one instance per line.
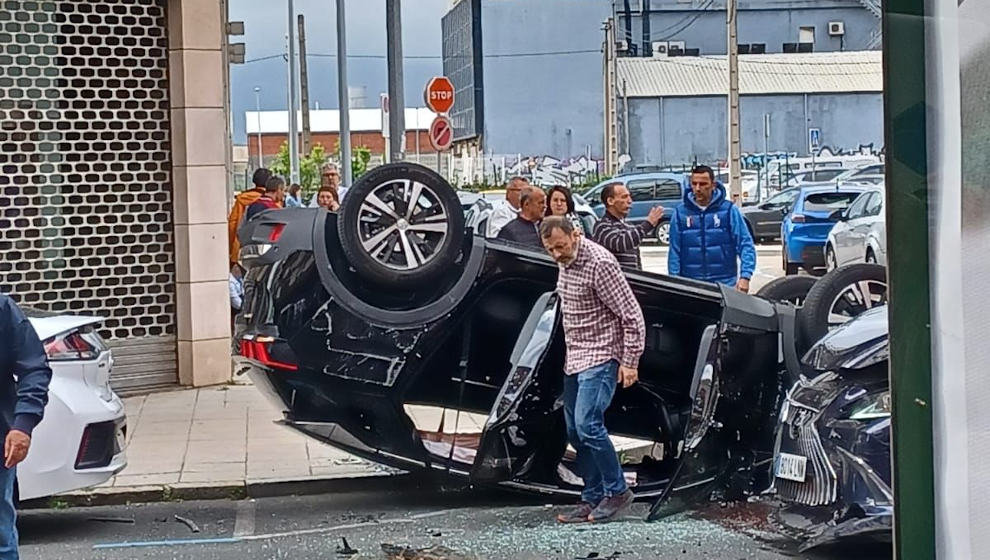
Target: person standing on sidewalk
273,197
604,334
241,203
708,235
524,230
508,209
612,231
23,396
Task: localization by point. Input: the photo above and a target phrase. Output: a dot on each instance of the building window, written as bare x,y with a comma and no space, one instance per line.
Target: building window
806,35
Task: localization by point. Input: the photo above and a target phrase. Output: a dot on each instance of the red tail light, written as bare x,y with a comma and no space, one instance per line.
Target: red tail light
276,232
259,351
798,218
71,346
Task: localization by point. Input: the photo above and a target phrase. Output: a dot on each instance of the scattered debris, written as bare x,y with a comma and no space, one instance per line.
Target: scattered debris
128,520
394,552
435,533
345,548
188,523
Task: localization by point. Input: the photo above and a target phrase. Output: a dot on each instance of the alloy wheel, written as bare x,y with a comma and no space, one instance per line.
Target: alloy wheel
402,224
663,233
855,299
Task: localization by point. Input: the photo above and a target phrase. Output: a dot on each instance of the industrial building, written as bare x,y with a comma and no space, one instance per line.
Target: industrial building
676,107
539,89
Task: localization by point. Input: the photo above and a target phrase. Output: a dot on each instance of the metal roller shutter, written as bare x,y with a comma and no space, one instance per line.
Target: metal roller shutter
86,205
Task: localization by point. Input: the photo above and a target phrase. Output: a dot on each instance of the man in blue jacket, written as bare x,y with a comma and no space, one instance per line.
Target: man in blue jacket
24,378
708,236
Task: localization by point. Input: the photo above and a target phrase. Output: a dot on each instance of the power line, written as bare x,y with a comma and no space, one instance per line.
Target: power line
431,57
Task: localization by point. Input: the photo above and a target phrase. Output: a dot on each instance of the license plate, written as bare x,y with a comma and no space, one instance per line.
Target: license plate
791,467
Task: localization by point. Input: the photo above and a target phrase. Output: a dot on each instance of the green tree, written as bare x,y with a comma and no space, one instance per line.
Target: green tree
309,166
360,157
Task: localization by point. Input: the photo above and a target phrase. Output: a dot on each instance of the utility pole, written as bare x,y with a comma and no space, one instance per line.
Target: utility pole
293,129
343,99
735,174
608,72
396,101
257,116
304,87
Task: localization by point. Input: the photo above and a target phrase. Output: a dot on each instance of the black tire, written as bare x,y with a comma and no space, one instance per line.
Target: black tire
789,267
840,294
662,233
792,289
370,232
831,262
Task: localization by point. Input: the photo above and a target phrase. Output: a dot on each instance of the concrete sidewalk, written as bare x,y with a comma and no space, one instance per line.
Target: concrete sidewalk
218,442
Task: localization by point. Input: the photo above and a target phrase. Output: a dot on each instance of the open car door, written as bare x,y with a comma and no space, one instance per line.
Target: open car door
525,414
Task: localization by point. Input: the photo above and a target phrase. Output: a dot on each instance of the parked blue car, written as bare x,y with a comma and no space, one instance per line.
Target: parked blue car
805,228
647,190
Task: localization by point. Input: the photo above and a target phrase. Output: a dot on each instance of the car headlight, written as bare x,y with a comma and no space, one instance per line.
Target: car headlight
873,407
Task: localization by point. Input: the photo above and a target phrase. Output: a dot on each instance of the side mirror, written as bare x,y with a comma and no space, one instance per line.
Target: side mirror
837,216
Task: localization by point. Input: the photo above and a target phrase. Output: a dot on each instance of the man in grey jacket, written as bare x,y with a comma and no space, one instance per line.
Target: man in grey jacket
612,231
24,378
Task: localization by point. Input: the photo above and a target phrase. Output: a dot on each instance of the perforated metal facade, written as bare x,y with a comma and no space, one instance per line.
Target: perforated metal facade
86,209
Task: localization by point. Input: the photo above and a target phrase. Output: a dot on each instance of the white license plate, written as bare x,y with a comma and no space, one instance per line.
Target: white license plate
791,467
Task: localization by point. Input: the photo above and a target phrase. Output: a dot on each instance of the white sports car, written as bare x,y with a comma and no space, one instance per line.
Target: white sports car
80,442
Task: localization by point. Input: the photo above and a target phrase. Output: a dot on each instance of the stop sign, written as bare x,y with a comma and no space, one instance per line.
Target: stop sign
439,94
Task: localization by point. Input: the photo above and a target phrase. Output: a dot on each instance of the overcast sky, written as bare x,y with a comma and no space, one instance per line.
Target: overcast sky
264,36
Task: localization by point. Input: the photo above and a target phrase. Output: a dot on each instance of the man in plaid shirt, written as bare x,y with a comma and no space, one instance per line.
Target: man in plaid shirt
605,335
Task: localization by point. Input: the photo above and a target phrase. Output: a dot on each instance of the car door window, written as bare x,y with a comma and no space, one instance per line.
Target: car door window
874,205
869,170
855,209
669,189
641,190
781,200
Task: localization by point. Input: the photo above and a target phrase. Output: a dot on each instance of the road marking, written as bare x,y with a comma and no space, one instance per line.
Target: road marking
244,522
268,536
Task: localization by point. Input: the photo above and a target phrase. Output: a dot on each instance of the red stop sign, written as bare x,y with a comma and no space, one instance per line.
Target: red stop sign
439,94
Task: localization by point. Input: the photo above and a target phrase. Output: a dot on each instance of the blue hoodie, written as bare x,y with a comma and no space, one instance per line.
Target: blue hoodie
706,244
22,400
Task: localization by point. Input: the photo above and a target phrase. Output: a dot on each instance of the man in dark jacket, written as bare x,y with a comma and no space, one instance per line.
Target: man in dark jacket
709,237
612,231
273,197
524,229
24,378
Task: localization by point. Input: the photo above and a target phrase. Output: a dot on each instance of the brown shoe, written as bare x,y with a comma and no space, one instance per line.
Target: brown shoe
611,507
577,514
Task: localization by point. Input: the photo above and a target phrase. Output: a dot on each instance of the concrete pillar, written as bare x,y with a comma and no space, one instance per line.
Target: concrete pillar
199,174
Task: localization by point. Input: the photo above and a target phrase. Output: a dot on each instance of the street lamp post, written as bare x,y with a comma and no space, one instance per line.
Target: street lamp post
257,116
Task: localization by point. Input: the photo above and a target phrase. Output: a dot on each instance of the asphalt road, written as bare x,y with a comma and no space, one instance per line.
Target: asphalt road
768,263
469,524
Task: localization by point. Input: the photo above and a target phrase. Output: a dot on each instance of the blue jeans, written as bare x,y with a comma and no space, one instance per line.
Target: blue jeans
586,397
8,515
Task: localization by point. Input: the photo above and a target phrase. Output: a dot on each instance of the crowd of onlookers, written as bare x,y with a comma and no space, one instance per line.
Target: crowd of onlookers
708,237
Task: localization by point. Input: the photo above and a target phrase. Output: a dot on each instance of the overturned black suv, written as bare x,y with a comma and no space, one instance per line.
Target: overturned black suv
392,331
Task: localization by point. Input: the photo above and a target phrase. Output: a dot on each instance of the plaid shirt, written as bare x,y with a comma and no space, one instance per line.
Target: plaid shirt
602,319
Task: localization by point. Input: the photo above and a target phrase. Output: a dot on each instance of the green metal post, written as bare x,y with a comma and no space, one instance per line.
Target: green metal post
908,269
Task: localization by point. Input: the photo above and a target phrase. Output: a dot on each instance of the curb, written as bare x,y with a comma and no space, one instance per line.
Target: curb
234,490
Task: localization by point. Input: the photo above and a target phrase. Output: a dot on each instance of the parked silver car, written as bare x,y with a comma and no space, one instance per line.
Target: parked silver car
860,235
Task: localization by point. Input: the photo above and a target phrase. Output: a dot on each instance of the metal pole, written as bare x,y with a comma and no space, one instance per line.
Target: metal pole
625,116
304,88
293,128
396,101
735,173
766,157
257,115
343,101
